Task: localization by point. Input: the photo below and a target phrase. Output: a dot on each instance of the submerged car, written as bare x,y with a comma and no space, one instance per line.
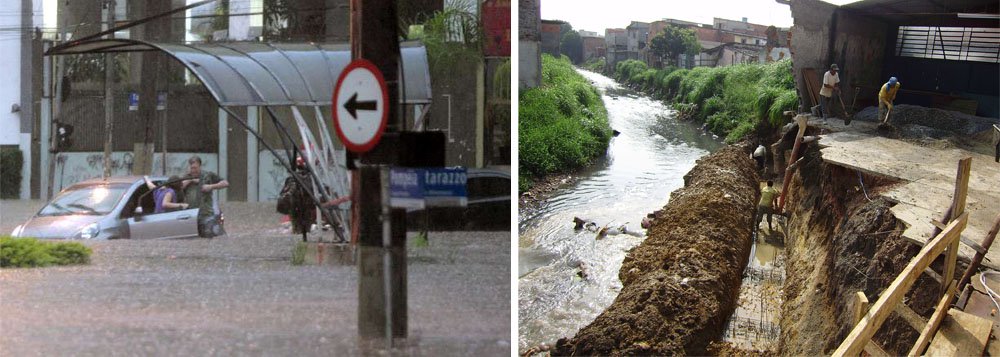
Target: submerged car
488,191
117,208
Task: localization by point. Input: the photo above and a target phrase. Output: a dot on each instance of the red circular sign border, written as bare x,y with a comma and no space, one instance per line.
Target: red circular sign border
361,63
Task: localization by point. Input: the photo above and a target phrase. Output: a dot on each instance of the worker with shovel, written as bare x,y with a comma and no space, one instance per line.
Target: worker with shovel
885,98
831,83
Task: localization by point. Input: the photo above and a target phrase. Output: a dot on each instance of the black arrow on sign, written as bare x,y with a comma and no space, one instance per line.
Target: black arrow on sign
353,105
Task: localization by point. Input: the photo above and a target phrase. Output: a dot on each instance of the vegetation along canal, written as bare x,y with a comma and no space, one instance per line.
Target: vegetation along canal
643,165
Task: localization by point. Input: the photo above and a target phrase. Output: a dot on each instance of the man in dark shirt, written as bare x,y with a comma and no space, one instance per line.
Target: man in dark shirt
198,193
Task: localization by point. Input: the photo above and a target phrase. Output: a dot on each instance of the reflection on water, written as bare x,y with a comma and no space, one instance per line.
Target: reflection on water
644,164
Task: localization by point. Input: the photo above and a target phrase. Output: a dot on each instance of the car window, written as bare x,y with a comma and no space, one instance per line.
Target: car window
147,203
98,199
488,187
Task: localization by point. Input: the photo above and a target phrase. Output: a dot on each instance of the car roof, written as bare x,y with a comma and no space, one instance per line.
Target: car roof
128,179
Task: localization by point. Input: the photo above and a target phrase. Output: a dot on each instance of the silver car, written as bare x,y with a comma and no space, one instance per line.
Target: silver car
117,208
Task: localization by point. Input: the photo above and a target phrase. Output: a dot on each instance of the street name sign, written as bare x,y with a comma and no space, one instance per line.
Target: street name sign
360,106
419,188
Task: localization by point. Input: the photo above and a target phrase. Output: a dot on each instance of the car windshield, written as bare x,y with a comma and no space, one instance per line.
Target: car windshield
98,199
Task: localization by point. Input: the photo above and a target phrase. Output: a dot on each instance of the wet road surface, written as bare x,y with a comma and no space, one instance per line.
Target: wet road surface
240,295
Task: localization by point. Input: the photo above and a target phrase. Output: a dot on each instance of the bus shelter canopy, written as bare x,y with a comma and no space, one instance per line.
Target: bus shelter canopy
267,74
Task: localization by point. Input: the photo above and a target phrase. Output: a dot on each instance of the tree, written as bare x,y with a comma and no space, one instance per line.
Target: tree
572,46
674,41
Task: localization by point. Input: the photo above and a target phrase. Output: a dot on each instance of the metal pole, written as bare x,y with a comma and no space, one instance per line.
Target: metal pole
387,253
163,144
109,6
45,142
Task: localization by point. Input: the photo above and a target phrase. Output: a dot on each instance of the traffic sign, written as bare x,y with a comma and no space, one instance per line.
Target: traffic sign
360,106
133,101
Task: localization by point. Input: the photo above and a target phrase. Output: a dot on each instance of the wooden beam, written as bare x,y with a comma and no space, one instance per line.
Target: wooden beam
933,274
935,321
978,258
915,320
860,308
957,208
893,295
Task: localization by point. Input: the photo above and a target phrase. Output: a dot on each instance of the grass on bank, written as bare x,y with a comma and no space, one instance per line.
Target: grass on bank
732,101
563,124
31,252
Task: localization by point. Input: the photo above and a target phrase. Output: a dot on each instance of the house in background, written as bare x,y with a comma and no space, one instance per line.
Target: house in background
593,45
615,46
551,34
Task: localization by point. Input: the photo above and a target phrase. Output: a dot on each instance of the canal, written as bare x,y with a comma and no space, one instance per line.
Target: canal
646,162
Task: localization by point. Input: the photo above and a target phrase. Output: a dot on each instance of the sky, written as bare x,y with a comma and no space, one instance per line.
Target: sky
596,16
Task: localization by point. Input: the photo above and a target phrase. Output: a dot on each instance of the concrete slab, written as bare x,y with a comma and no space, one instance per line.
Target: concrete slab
928,177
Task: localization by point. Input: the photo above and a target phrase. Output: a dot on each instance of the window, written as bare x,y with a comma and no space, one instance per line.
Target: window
949,43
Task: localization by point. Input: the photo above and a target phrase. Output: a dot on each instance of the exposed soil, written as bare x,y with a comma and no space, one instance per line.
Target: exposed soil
681,284
840,242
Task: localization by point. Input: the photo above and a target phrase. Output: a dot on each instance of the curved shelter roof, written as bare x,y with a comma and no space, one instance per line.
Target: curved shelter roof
259,74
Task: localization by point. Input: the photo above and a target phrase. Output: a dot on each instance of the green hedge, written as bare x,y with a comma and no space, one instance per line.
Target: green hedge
30,252
10,172
732,101
563,124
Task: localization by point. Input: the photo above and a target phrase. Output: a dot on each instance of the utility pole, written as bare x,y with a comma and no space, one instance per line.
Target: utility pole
109,102
382,231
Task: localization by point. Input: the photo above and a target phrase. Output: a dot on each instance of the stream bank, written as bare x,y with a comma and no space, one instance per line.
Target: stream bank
681,284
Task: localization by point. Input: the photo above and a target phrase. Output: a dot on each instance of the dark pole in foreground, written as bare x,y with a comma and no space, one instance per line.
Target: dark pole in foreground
381,230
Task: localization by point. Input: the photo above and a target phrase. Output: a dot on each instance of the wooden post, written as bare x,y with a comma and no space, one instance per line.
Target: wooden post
978,258
893,295
801,120
935,321
957,208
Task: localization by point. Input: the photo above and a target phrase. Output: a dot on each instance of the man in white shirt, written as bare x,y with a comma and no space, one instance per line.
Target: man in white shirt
831,84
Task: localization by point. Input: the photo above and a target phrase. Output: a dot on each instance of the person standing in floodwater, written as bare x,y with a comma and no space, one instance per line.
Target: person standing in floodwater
768,197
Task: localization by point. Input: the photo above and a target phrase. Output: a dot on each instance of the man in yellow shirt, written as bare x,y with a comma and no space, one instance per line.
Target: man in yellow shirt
768,197
885,98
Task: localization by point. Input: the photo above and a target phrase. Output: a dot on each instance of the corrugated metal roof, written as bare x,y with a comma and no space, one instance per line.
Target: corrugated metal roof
929,12
258,74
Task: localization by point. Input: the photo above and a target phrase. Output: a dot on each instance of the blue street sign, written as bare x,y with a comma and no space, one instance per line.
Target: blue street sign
161,100
445,187
133,101
432,187
406,189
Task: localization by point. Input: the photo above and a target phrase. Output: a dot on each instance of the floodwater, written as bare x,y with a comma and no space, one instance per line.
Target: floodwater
644,164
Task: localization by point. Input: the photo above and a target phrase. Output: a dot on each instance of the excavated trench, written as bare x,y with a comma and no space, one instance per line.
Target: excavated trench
688,288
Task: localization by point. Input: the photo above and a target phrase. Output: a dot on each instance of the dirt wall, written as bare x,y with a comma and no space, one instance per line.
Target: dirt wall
681,284
841,242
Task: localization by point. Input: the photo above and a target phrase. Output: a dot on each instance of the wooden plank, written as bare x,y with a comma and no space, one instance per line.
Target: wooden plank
933,274
978,258
874,350
932,325
893,295
961,334
915,320
860,308
957,208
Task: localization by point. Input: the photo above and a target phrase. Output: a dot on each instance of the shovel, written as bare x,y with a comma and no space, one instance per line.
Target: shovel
847,116
884,125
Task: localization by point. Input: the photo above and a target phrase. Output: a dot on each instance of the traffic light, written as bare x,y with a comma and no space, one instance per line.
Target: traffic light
63,132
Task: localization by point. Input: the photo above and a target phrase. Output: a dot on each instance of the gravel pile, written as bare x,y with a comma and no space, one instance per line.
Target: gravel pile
956,123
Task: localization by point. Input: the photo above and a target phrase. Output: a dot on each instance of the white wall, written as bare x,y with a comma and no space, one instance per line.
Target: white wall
10,57
73,167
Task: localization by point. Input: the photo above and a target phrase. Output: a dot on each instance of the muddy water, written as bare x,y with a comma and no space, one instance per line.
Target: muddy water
644,164
754,325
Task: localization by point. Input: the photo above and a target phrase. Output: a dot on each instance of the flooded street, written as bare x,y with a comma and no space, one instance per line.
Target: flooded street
239,294
644,164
